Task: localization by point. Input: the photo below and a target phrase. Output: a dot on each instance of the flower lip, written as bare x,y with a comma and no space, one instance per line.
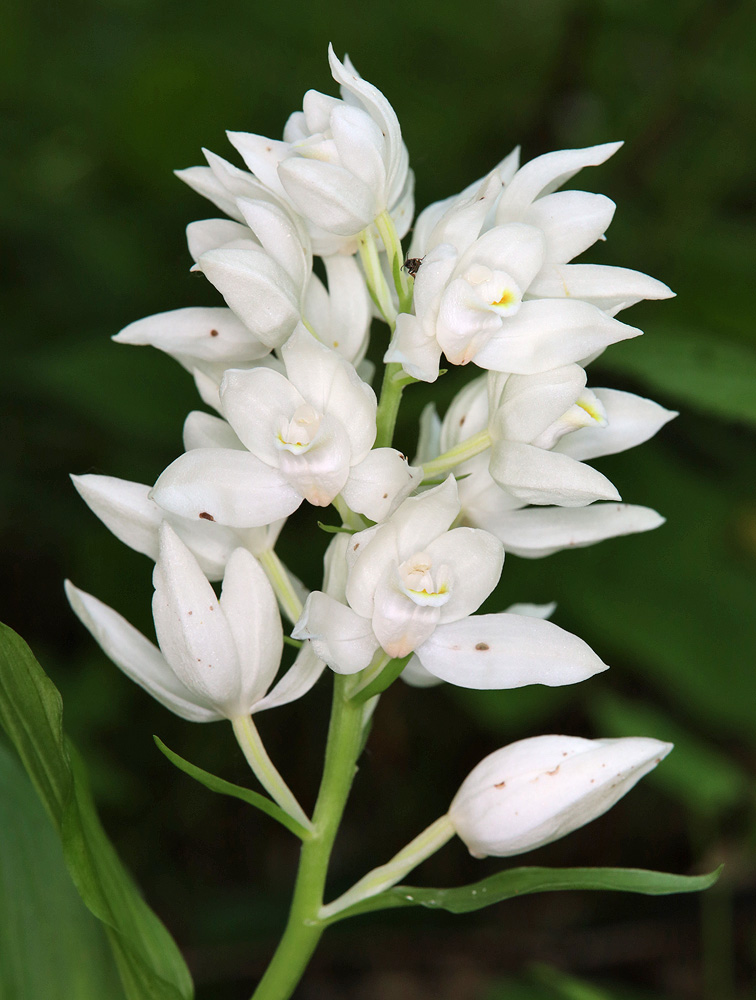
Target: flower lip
298,434
424,587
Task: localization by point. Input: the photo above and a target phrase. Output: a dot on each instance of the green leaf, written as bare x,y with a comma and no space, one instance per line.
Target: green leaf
383,681
524,881
223,787
31,712
65,955
697,368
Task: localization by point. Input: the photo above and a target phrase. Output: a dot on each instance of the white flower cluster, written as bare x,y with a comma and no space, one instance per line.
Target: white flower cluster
487,281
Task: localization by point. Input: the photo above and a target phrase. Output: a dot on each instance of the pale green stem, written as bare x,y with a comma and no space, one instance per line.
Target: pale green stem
394,381
283,588
308,326
304,927
387,232
379,879
252,747
348,517
376,280
455,456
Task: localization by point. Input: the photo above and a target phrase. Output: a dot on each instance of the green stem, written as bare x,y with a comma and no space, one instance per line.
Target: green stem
283,588
387,232
376,280
379,879
457,455
257,757
304,926
394,381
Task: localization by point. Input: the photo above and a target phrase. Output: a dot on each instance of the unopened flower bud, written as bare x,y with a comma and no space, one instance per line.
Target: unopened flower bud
537,790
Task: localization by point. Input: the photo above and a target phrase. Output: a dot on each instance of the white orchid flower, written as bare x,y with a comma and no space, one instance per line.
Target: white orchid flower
217,658
341,164
494,286
537,790
308,436
541,429
412,587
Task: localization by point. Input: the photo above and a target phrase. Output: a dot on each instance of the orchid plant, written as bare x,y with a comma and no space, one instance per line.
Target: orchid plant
485,281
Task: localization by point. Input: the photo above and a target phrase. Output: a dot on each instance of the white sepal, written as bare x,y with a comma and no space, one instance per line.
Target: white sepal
507,651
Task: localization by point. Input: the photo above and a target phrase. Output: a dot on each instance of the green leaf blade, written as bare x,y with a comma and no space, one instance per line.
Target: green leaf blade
223,787
148,959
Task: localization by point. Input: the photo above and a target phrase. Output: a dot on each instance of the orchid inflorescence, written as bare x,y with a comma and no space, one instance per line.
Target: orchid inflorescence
421,545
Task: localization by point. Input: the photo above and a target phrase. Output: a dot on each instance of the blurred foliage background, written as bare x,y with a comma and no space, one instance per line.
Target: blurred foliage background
100,102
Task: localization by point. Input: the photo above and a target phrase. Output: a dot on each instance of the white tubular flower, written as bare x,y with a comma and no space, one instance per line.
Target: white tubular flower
412,586
307,435
494,286
217,657
537,790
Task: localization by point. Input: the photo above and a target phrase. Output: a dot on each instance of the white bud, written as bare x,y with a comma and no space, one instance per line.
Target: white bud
539,789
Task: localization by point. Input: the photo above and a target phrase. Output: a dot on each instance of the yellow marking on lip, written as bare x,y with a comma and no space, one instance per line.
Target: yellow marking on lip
506,299
592,412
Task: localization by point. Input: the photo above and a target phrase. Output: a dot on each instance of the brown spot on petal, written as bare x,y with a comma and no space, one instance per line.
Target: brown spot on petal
500,784
206,517
462,420
385,497
355,546
555,769
593,781
211,608
564,753
482,646
213,333
190,612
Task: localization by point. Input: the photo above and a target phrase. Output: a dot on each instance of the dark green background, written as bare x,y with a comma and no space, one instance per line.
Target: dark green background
100,102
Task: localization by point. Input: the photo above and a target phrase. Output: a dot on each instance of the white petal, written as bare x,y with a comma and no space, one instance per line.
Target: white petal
138,658
258,290
631,421
332,386
461,223
262,156
609,288
250,607
208,334
319,474
572,221
339,636
545,174
429,435
335,567
191,626
378,484
378,108
361,146
546,477
124,508
412,348
507,651
537,790
475,560
549,333
254,403
297,681
209,234
231,487
204,182
532,403
349,307
399,624
416,675
539,532
329,195
282,239
203,430
411,528
514,248
532,610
